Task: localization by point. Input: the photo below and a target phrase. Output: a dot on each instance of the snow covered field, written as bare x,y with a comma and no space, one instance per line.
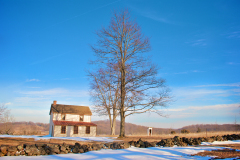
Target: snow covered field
132,153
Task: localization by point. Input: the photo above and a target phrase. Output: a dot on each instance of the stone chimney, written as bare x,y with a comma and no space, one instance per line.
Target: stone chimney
54,102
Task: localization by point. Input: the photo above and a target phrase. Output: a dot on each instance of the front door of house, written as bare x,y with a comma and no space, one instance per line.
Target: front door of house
69,131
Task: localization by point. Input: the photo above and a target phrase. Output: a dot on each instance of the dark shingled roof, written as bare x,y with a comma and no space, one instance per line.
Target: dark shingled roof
70,109
73,123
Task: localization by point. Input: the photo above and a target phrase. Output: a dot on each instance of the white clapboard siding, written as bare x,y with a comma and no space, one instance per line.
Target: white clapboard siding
87,118
70,117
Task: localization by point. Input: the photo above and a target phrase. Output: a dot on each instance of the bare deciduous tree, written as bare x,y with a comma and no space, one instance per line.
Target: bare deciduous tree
141,89
2,111
105,93
235,124
6,120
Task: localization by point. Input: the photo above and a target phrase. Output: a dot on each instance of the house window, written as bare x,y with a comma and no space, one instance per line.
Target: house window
63,116
63,129
75,130
81,118
87,129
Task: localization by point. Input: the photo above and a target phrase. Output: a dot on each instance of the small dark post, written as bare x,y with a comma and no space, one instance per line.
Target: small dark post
206,132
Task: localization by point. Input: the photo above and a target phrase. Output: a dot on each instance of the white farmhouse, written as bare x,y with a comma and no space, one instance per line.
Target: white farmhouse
71,121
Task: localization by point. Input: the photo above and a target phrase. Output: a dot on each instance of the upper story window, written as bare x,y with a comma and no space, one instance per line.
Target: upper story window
63,116
81,118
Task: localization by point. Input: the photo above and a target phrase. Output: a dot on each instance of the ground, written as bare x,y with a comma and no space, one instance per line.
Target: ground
204,151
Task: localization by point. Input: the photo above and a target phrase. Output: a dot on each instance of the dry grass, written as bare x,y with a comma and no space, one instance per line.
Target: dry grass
14,141
220,153
165,136
189,135
107,135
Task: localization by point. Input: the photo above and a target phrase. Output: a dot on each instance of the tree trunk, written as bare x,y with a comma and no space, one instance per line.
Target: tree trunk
122,107
122,124
111,122
113,126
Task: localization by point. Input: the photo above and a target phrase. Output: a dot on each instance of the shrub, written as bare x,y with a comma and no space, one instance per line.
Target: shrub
185,131
173,132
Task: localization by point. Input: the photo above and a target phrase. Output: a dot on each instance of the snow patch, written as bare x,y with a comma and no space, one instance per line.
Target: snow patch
221,142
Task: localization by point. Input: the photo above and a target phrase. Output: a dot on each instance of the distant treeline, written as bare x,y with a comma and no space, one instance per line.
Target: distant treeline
103,128
26,128
212,127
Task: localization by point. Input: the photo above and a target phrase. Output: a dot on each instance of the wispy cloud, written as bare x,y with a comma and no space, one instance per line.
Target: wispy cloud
186,72
155,17
215,107
47,59
198,42
6,104
38,97
33,87
31,101
32,80
191,91
29,114
208,107
151,15
56,92
194,111
183,115
234,34
71,18
188,114
233,63
181,72
32,111
236,90
221,85
63,79
202,94
175,110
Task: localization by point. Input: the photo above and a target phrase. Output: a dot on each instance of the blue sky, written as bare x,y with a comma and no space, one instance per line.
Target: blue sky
44,47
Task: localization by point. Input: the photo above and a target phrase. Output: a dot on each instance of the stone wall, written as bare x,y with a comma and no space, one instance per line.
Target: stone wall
52,149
